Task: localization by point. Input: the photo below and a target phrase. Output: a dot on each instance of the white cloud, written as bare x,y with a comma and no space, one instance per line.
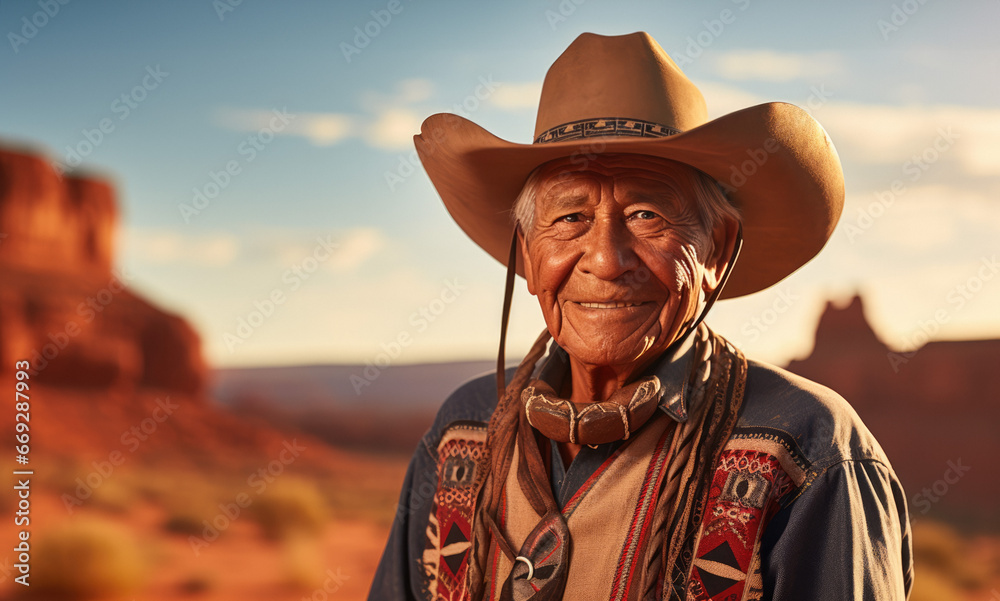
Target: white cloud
404,92
162,246
355,247
388,123
769,65
879,134
930,220
261,248
352,247
323,129
723,98
414,90
392,129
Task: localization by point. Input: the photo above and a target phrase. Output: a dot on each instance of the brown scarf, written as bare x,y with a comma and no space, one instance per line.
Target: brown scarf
717,381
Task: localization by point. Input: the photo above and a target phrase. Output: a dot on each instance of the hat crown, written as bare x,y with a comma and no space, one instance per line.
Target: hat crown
628,76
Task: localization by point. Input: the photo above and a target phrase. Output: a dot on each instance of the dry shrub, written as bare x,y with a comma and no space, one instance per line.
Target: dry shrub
153,486
303,562
60,475
187,503
185,522
929,585
290,506
86,558
185,513
352,501
196,584
939,551
113,496
936,546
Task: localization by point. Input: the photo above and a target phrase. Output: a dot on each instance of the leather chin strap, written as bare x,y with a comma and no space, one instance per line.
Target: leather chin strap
509,293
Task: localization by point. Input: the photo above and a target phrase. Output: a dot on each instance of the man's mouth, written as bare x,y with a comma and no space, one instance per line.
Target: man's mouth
611,305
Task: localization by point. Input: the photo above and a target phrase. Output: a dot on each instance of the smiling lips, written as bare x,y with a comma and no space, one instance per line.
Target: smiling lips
612,305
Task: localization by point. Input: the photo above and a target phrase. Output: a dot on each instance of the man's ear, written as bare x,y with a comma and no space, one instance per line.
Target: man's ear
529,273
724,236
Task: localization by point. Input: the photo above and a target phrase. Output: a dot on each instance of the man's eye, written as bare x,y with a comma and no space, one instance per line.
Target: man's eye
645,215
571,218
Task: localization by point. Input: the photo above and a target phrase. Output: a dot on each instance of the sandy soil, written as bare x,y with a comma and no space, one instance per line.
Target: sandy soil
336,563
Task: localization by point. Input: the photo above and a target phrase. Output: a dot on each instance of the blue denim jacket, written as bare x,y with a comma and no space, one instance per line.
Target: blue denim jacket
841,530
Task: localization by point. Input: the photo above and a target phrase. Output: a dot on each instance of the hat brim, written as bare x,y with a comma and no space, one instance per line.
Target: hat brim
777,162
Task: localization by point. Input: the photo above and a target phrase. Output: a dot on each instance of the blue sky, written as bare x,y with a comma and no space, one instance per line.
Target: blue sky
310,193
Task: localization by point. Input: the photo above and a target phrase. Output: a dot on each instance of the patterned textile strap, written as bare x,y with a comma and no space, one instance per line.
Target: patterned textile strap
715,408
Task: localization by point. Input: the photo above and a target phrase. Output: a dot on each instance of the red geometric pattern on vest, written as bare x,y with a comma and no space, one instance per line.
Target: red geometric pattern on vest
449,531
745,491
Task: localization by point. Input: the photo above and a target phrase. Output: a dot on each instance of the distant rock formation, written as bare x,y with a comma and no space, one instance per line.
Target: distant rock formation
63,307
54,223
934,409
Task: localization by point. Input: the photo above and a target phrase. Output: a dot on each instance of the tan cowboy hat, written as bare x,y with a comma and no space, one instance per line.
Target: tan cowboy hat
623,94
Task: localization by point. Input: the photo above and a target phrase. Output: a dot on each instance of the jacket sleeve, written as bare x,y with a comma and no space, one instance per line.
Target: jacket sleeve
400,575
846,536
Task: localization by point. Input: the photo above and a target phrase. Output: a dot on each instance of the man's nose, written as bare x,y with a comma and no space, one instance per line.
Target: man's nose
608,252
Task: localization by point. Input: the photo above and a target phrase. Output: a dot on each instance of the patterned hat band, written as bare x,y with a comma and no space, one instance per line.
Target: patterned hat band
605,126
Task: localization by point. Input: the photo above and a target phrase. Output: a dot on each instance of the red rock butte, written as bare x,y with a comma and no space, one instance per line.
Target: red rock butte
63,307
933,409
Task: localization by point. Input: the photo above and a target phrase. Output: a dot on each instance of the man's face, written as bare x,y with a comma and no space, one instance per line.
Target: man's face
618,259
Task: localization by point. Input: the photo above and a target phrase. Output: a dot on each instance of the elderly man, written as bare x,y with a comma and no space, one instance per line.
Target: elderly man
643,457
